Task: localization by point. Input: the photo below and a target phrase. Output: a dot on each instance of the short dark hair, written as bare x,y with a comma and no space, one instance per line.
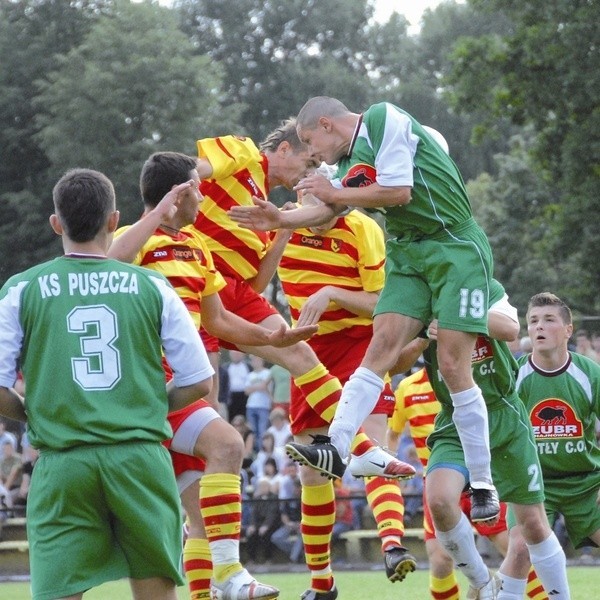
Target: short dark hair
549,299
286,132
83,200
161,172
317,107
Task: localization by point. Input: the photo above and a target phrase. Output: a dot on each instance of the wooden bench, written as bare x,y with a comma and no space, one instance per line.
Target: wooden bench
359,540
14,549
10,545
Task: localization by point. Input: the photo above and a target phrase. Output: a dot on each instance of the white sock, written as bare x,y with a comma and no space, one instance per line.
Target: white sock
358,399
550,564
512,589
224,552
471,420
460,544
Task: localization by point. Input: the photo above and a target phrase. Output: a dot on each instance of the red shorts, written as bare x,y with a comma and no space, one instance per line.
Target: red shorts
239,298
465,505
341,354
481,528
184,462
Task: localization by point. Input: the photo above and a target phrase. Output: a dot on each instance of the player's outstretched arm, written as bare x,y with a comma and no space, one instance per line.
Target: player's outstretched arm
224,324
265,216
360,302
288,336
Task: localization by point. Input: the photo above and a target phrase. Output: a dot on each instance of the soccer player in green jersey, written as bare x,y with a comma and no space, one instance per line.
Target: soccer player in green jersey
438,266
515,465
561,393
88,333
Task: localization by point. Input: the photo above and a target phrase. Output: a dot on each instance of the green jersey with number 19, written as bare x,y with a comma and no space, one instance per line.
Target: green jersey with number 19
494,367
94,328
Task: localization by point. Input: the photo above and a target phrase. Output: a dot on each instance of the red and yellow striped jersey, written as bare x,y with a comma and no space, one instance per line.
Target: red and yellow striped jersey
239,172
186,262
416,404
350,255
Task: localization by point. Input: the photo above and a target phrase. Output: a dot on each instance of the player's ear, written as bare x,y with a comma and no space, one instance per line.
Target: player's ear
56,224
325,123
284,147
113,221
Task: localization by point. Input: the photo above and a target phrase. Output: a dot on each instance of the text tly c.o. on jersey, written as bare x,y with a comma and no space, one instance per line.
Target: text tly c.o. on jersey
351,256
87,334
239,173
391,148
563,406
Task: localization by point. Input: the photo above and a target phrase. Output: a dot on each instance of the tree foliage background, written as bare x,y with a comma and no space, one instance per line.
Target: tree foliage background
513,86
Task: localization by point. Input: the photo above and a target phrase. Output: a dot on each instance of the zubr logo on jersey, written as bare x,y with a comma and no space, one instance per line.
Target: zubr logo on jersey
359,175
554,418
483,356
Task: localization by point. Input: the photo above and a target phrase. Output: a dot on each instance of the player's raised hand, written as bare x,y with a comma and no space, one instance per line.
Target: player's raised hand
263,216
286,336
318,186
167,207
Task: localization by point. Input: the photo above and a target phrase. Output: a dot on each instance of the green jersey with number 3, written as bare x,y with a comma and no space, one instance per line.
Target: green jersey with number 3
108,319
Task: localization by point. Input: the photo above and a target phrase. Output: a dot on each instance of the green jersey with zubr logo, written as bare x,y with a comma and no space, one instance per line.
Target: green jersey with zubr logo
563,406
391,148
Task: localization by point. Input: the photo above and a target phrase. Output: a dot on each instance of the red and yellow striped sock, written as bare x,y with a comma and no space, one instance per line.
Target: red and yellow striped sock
361,443
444,589
535,589
318,517
386,502
197,565
221,508
321,390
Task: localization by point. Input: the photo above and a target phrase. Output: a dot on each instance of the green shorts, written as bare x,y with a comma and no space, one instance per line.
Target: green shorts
101,513
575,497
445,276
515,465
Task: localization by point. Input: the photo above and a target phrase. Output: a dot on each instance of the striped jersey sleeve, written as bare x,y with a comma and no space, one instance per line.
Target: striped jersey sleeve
239,173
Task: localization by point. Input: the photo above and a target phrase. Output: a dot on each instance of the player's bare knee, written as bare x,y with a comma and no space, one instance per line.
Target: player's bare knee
223,452
534,528
232,449
443,511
